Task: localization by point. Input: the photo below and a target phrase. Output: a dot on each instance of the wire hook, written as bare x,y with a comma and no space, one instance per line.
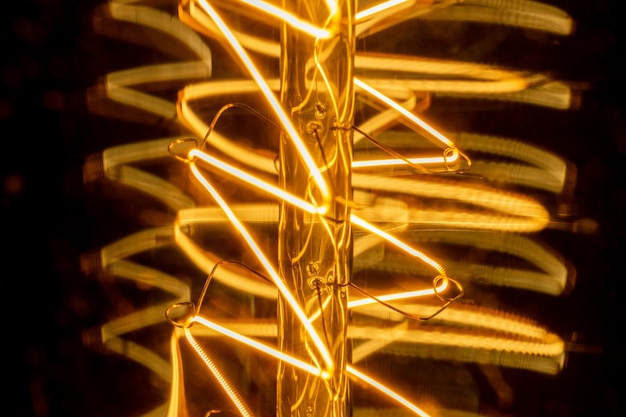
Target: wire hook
187,310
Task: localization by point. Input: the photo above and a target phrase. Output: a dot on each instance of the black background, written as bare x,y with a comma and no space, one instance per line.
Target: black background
50,56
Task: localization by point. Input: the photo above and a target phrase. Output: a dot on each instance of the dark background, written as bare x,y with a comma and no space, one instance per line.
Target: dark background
50,56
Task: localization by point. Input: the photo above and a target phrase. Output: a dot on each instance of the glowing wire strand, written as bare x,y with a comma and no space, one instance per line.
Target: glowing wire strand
219,377
268,350
405,113
399,296
357,221
367,13
252,180
277,192
451,156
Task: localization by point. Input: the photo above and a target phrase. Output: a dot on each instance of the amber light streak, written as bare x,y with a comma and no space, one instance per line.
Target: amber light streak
421,161
252,180
401,295
398,243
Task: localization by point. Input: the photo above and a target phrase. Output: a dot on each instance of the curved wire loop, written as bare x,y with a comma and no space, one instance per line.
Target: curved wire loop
448,300
229,106
195,308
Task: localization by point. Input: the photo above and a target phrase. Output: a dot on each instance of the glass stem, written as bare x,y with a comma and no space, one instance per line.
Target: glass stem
315,251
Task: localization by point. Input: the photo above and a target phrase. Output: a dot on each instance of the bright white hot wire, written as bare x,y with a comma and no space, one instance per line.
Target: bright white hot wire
404,112
398,243
261,347
436,160
399,296
289,19
234,396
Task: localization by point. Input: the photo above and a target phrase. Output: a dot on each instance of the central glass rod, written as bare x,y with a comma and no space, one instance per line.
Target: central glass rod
315,252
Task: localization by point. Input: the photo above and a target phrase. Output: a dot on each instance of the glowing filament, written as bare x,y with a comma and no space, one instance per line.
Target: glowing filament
387,391
252,180
442,160
221,379
400,296
290,19
404,112
397,242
